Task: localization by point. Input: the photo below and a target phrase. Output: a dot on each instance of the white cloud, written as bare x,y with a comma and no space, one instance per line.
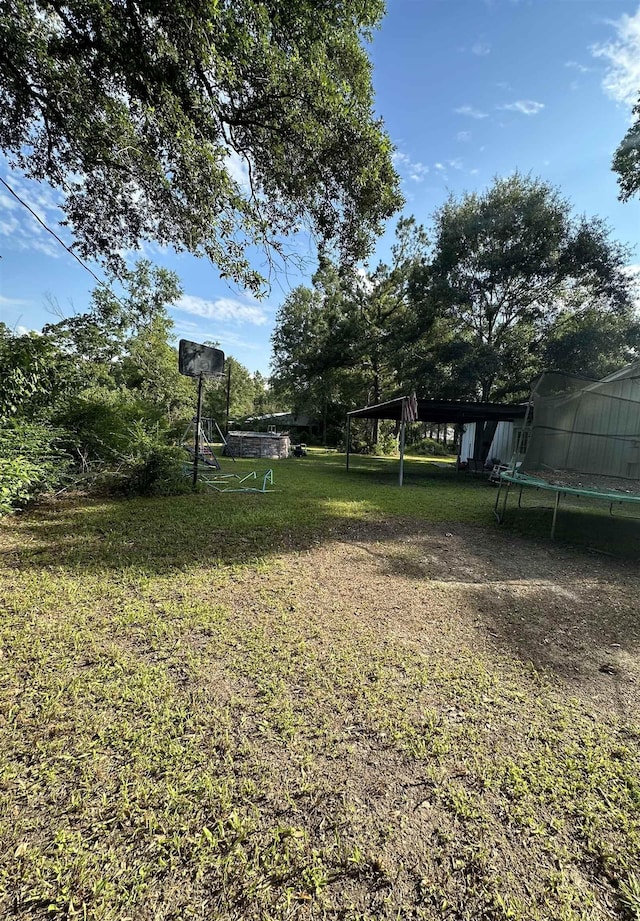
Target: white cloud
238,169
463,136
481,49
226,340
412,169
576,65
222,309
13,302
418,172
456,163
524,106
240,342
7,203
622,78
470,112
8,226
47,246
19,228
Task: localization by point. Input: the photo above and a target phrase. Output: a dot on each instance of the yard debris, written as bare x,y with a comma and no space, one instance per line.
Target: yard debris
608,669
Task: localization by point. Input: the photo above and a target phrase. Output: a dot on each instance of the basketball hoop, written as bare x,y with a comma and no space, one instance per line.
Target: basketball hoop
203,361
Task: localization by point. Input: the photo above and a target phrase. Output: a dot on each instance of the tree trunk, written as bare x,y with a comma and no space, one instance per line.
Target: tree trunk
376,399
324,423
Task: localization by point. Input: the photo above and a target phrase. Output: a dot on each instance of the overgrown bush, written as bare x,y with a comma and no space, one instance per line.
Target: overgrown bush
101,425
31,462
387,445
430,448
157,472
116,434
19,481
151,466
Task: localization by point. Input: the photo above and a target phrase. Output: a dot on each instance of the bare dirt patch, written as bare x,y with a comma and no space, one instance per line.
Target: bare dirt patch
509,633
574,615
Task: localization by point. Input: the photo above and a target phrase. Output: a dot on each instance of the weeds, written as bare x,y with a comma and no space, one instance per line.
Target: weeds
195,725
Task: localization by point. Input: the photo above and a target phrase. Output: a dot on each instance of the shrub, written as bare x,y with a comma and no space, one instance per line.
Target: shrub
124,442
159,471
19,482
430,447
151,467
100,424
30,463
387,445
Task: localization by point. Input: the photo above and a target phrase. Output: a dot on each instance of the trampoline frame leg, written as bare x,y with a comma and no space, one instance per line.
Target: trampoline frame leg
502,490
555,515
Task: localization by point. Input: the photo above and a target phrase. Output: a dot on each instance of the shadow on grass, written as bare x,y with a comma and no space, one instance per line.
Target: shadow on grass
557,605
316,501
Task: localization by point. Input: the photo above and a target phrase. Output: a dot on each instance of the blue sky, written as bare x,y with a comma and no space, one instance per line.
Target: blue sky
469,89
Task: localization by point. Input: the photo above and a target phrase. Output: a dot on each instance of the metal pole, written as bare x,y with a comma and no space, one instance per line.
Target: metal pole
348,440
555,515
226,427
522,435
505,495
401,475
196,451
227,451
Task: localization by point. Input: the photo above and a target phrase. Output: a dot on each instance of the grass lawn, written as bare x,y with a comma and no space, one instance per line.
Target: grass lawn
339,700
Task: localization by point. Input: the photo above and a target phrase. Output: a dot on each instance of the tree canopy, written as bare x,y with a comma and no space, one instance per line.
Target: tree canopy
208,126
504,284
626,162
246,393
505,264
345,337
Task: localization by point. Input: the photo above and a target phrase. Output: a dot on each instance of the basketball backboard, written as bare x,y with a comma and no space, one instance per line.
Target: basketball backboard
195,360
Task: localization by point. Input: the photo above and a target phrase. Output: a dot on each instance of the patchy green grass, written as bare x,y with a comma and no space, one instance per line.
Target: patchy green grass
207,712
314,495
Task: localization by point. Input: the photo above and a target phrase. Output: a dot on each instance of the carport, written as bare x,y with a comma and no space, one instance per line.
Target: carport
410,409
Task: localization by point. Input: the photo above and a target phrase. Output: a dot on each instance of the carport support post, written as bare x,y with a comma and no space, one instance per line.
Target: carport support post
401,474
348,440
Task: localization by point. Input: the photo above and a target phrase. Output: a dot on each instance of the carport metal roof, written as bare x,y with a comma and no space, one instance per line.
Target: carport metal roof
443,411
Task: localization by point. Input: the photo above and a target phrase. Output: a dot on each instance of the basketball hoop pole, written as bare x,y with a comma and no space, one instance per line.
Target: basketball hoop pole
197,437
226,427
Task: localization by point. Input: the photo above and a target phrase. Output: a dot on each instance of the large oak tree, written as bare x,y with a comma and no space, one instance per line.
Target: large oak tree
506,264
208,125
626,162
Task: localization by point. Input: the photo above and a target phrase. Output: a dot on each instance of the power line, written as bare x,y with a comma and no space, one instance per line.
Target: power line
60,241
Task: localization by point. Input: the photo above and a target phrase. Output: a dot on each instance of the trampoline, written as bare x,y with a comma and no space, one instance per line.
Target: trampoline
582,439
515,478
